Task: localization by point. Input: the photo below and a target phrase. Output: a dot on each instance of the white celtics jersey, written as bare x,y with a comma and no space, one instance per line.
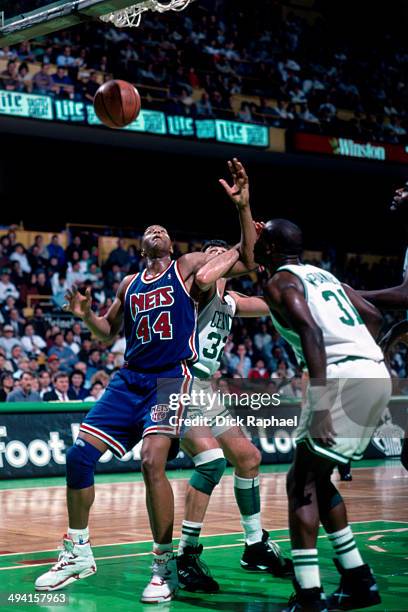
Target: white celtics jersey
344,332
214,326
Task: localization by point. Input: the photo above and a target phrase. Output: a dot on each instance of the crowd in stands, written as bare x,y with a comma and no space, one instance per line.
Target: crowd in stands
47,354
304,75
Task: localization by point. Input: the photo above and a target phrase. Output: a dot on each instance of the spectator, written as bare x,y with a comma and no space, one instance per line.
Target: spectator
5,365
23,365
263,341
6,385
42,249
6,287
259,372
77,385
17,322
25,78
9,77
70,342
42,81
67,358
74,274
63,86
16,355
43,285
9,340
65,59
91,86
61,391
44,380
240,363
97,390
119,256
60,286
55,250
94,363
31,342
24,393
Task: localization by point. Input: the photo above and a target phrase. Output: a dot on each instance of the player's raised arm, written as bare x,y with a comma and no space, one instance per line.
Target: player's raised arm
238,193
249,306
394,298
198,268
105,328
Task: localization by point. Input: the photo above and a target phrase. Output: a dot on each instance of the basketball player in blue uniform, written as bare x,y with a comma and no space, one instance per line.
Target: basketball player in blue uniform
158,310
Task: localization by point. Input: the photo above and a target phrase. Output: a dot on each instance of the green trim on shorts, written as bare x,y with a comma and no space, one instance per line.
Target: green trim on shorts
324,452
354,358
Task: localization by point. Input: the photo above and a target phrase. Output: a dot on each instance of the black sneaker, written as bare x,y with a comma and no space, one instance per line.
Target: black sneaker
345,472
307,600
357,589
193,574
266,556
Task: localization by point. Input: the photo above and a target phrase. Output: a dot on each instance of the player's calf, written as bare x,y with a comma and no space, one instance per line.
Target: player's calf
260,554
193,574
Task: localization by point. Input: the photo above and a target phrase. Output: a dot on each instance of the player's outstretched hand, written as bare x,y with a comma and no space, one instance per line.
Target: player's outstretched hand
259,225
78,304
238,192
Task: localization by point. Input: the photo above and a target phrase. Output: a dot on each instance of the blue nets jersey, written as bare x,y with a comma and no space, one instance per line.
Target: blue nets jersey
160,321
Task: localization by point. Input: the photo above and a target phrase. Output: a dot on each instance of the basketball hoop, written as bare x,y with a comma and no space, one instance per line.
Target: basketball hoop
131,16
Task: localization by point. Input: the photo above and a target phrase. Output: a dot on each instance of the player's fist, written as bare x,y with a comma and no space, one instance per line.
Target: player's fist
78,304
238,192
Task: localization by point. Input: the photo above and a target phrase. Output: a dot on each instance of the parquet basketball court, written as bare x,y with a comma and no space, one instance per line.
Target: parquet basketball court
33,520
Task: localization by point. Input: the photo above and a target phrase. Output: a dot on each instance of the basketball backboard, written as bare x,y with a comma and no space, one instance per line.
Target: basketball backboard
26,19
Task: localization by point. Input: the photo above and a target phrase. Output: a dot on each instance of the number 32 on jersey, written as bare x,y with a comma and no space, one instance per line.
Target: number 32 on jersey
161,325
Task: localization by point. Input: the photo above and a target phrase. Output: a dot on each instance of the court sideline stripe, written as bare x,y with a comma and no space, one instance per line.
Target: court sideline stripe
143,554
214,535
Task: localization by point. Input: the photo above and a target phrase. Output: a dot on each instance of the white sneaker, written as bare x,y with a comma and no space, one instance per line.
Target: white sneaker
75,562
163,583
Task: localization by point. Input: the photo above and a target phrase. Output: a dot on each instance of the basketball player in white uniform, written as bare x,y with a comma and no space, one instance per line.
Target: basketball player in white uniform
217,309
349,389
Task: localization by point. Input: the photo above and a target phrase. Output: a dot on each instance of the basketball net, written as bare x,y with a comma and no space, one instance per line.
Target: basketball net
131,16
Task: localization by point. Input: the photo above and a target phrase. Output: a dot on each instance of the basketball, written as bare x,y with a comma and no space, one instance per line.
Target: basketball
117,103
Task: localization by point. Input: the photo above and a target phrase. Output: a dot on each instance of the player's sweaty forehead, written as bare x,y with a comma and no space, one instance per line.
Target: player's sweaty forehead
156,228
215,250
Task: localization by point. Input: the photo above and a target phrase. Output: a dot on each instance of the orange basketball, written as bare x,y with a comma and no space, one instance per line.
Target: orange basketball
117,103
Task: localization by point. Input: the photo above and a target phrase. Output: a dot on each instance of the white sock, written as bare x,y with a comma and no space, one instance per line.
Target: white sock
190,532
345,548
79,536
252,527
160,549
306,566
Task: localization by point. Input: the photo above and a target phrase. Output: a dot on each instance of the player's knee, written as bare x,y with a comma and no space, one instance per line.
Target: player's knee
328,497
209,467
248,462
81,460
153,467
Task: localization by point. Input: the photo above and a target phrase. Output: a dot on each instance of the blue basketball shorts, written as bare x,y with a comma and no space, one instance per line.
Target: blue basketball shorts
137,404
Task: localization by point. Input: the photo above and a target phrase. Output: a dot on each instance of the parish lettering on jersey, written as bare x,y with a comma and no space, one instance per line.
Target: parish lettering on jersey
221,320
318,278
142,302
